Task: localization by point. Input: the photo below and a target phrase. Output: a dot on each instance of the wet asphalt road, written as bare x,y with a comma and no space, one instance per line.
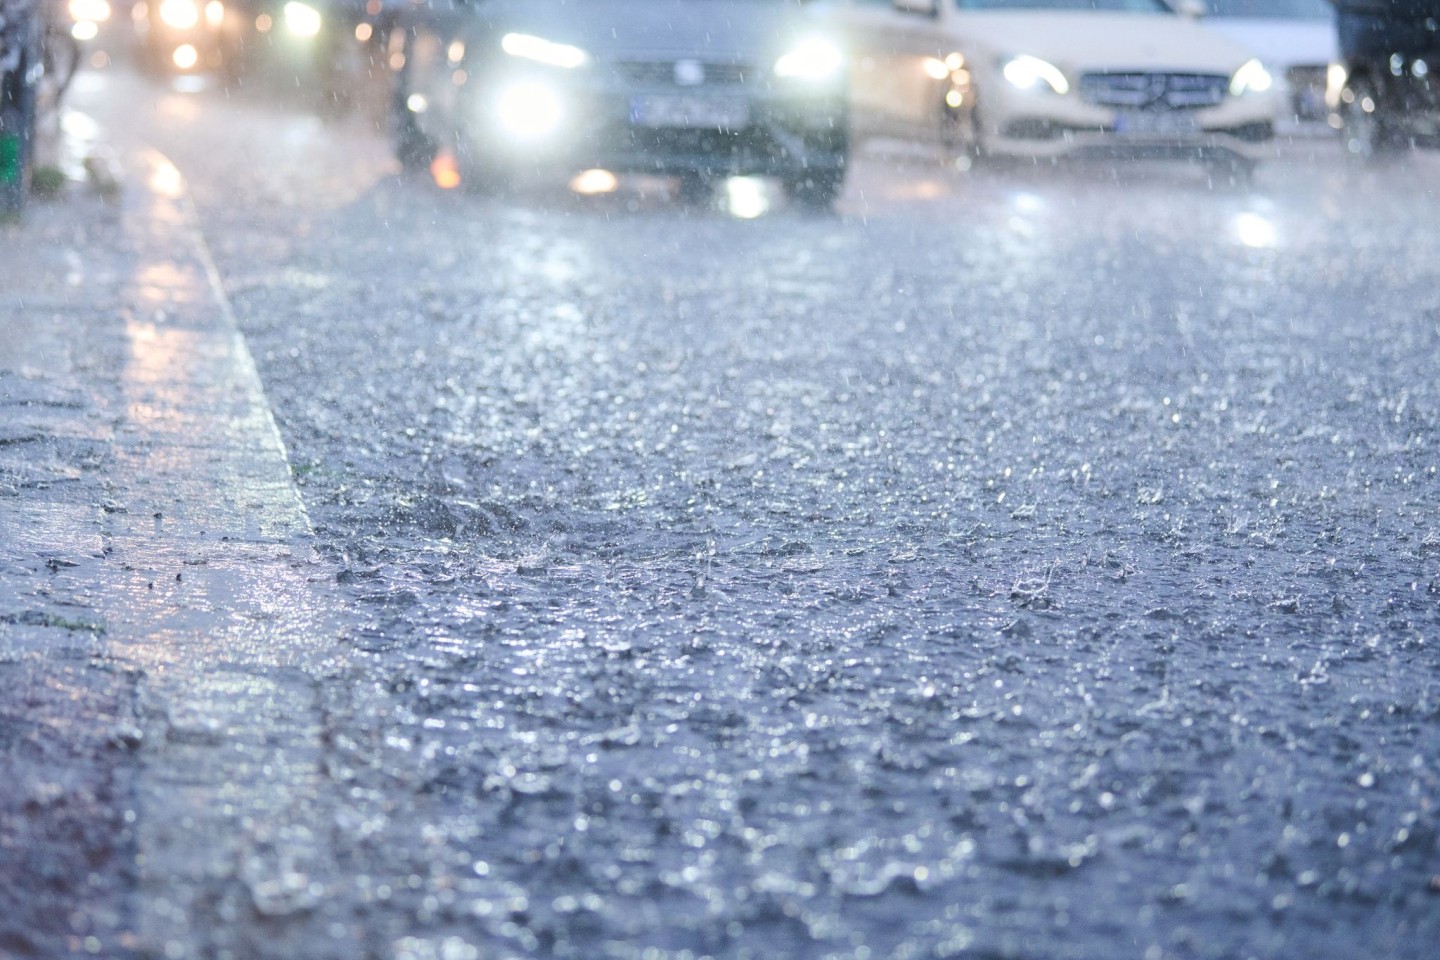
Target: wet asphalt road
1022,564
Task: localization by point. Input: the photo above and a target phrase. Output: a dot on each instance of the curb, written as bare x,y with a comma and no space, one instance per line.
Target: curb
186,556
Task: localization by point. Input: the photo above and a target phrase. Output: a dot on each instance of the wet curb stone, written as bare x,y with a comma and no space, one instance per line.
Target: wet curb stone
164,626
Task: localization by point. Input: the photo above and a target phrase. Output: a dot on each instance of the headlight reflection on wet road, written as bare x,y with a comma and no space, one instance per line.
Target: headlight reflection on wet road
1255,230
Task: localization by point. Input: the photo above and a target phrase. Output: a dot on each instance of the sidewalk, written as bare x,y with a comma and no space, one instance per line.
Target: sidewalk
164,627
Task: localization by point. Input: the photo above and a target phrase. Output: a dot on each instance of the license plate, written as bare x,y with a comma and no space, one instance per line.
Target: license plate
708,113
1149,123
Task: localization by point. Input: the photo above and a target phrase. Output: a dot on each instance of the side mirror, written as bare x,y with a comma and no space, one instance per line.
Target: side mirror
1194,9
928,8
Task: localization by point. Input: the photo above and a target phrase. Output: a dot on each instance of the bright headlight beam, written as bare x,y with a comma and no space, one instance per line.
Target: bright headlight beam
544,51
1027,73
529,111
813,59
179,14
1252,77
1254,230
96,11
302,19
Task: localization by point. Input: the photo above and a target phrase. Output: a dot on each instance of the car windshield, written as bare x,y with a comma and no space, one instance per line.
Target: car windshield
1272,9
1107,6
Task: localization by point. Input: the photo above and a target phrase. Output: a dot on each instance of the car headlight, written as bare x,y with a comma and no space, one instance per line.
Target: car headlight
1336,77
179,14
1030,73
302,19
528,110
544,51
1252,77
95,11
813,59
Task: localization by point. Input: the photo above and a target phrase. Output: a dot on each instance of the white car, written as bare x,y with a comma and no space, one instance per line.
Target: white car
1043,79
1297,42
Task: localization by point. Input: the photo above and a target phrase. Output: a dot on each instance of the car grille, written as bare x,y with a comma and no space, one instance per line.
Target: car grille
1178,91
670,73
1307,92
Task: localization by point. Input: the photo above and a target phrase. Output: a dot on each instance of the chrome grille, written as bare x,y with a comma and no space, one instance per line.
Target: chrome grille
1177,91
670,73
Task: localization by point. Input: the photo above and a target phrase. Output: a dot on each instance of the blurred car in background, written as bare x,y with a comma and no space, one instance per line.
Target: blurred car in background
318,49
1296,41
90,18
313,43
698,90
1384,94
1044,79
184,36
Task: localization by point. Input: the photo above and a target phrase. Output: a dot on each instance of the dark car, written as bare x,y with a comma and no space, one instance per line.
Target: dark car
690,88
1385,93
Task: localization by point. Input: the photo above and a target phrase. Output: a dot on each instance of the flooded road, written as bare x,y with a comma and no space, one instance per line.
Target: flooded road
1016,563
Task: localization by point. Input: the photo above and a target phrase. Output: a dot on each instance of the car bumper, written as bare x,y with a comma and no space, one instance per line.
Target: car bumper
734,131
1044,127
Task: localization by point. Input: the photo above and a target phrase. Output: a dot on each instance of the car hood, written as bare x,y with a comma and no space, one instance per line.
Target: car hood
1080,42
1282,43
723,29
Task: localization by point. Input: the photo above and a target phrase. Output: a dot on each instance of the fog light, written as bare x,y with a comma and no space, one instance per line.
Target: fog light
302,19
445,170
185,56
746,197
529,111
596,181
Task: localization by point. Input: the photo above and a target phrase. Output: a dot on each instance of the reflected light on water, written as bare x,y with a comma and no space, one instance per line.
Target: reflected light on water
747,197
921,189
79,126
181,110
166,180
1026,202
445,171
593,182
1255,230
80,138
190,83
